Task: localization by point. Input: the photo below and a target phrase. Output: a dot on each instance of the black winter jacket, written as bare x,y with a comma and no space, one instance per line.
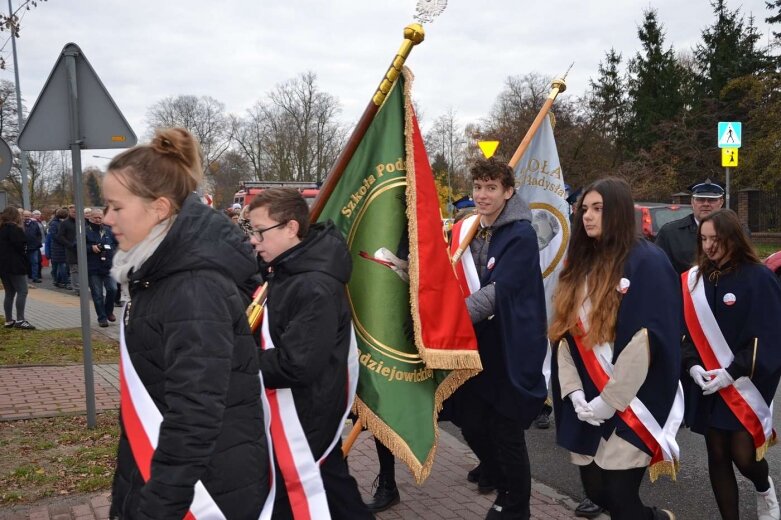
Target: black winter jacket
57,250
310,325
34,232
189,340
13,259
66,237
99,235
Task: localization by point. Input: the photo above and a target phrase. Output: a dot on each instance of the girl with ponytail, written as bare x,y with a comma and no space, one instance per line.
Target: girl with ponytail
192,428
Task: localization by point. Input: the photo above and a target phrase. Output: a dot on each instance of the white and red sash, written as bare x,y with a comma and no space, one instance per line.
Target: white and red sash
142,420
300,470
468,279
465,267
742,397
660,439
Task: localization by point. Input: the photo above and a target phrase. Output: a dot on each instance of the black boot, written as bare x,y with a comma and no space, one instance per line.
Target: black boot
474,474
485,484
587,509
495,513
386,495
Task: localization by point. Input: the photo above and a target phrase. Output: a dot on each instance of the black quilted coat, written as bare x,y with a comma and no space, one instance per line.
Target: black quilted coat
190,343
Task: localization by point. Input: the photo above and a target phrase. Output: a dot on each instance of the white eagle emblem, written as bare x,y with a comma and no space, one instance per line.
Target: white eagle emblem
427,10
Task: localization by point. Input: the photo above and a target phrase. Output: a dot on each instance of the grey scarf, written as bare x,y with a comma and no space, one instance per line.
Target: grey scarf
125,261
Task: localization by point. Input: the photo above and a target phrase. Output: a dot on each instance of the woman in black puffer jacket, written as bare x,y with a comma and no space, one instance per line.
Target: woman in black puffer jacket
14,267
189,271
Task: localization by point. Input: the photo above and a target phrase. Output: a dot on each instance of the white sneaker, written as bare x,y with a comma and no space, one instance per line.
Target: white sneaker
767,504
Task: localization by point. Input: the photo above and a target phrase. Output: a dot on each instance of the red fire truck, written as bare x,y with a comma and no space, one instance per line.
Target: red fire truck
249,189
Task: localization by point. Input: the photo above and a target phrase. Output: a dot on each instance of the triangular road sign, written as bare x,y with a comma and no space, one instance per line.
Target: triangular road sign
101,124
488,148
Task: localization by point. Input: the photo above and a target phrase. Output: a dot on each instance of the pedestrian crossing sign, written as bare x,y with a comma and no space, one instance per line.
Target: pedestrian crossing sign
729,134
729,157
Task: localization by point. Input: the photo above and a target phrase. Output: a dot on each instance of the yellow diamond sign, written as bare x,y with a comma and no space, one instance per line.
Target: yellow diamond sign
729,157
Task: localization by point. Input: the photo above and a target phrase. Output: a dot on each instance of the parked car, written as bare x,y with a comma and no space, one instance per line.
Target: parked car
651,216
774,263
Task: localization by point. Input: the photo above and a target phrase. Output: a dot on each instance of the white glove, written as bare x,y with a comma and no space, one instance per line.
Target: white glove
601,411
578,399
719,379
586,415
582,408
699,375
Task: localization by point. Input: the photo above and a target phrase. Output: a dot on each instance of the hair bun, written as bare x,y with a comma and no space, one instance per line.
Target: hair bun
179,144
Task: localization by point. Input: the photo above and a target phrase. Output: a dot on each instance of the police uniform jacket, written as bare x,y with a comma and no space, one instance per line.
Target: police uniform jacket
679,240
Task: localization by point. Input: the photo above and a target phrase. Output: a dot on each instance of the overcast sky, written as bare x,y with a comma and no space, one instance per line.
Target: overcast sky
238,50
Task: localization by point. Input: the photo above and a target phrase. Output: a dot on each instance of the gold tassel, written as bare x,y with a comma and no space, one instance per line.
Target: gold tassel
664,468
762,450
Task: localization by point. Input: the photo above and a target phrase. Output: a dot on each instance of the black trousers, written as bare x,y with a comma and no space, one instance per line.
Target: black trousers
500,444
618,491
344,499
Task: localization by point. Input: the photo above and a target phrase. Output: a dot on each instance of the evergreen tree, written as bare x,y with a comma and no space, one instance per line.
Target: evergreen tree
607,100
655,83
728,50
774,6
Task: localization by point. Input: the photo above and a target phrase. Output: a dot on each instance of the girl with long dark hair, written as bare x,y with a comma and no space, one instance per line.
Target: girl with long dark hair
615,332
732,351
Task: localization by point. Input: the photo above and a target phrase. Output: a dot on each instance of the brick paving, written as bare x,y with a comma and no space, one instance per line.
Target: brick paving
42,391
446,495
48,391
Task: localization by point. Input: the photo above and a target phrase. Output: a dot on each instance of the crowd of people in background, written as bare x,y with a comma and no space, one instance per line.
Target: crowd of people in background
39,242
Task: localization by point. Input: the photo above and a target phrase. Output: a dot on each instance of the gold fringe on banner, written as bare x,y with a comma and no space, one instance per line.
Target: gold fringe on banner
387,436
434,358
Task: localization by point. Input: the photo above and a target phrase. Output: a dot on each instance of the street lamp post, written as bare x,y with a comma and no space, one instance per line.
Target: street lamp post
20,118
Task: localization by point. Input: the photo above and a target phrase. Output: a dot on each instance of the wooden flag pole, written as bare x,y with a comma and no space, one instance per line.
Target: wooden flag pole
351,438
413,35
558,87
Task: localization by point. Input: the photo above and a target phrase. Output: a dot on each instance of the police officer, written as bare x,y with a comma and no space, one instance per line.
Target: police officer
679,238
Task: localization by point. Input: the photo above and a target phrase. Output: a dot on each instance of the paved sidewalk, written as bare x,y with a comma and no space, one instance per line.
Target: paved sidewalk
445,494
50,310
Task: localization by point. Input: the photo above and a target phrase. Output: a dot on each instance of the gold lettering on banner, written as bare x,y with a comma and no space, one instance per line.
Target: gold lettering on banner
538,173
394,374
379,170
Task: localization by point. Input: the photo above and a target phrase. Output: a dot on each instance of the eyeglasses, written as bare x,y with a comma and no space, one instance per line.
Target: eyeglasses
258,232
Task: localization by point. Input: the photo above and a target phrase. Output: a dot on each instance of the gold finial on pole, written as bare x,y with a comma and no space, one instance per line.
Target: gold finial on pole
557,86
413,35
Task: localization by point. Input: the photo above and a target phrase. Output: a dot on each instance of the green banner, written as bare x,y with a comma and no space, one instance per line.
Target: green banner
397,394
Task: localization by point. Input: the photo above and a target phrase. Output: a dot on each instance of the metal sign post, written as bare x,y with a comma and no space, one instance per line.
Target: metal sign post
729,136
81,241
75,112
